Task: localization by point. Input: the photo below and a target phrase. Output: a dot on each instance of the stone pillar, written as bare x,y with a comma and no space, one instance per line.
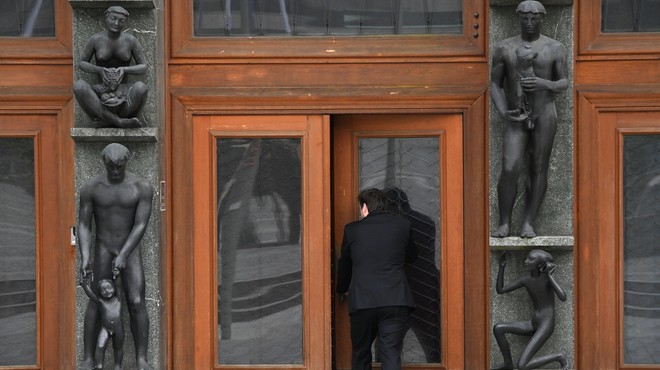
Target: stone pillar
145,144
554,224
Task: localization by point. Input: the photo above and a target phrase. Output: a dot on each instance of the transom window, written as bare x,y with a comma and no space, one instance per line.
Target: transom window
27,18
326,17
630,16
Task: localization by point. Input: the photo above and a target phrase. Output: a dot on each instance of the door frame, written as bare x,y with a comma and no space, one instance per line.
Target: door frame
186,101
54,214
449,129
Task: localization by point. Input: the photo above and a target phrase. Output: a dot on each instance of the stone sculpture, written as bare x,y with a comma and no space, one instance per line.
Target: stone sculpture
542,288
112,101
527,70
119,203
112,326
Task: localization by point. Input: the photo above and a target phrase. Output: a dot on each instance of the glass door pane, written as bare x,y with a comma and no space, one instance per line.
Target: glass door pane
18,318
259,260
407,169
641,249
260,243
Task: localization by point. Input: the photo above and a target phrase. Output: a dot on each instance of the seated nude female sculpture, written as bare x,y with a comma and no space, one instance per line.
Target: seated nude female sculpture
112,102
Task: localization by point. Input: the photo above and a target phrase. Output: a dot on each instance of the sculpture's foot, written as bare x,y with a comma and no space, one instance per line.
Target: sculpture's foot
142,364
129,123
503,367
502,231
562,362
117,367
87,364
527,231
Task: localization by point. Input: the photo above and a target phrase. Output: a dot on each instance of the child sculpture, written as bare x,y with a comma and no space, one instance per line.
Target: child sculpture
542,288
111,323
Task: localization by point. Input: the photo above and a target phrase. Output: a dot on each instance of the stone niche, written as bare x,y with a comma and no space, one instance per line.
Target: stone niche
554,224
144,144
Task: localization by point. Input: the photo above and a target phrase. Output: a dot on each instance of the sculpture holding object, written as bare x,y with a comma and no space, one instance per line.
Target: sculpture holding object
118,204
527,70
542,288
112,101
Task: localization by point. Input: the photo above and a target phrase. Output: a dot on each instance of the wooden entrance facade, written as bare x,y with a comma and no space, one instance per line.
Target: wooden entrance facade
321,95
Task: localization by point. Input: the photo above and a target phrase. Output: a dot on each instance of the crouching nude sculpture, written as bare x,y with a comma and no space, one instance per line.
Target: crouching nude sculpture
542,288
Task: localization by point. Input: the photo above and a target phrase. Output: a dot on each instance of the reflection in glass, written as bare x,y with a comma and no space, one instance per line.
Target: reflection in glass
408,170
630,15
641,249
326,17
259,251
27,18
17,254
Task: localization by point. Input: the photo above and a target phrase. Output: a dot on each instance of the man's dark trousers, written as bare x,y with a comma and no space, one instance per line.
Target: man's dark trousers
390,324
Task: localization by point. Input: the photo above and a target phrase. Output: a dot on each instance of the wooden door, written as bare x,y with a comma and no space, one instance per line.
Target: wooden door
261,294
418,161
32,250
619,243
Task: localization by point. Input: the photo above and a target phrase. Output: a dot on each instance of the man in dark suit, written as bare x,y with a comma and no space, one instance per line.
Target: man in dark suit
372,271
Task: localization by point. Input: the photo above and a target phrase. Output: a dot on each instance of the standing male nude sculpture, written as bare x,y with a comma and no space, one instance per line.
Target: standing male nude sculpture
550,76
119,202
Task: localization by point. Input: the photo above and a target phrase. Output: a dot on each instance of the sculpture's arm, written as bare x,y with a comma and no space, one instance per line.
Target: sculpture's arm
85,215
497,74
90,294
497,93
142,214
140,66
558,290
499,286
559,74
560,69
85,63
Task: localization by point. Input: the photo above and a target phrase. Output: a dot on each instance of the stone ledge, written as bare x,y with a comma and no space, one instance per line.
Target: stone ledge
84,134
516,2
515,243
78,4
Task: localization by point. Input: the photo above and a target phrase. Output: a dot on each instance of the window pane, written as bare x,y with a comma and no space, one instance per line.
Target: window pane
630,15
641,180
259,251
326,17
17,254
408,170
27,18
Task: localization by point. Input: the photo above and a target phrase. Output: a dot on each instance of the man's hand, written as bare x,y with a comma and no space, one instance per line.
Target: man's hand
533,84
119,263
85,269
515,115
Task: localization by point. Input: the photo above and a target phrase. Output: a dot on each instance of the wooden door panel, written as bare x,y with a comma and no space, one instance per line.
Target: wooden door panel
626,284
261,242
31,252
394,152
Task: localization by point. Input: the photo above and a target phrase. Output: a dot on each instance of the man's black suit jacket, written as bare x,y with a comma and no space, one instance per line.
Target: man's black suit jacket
372,264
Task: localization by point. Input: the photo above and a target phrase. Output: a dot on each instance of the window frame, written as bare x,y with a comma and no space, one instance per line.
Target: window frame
185,45
592,43
56,47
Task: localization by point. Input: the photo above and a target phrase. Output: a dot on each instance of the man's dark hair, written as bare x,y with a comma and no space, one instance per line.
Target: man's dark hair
374,199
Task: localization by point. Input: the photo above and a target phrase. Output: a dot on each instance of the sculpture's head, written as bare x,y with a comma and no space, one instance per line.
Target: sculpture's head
537,259
530,13
106,288
115,157
116,18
